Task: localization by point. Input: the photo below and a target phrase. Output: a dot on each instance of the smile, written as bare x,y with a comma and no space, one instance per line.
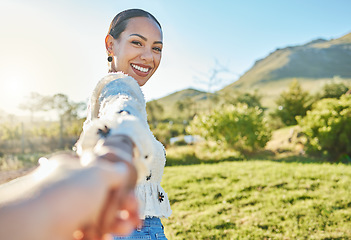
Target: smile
141,69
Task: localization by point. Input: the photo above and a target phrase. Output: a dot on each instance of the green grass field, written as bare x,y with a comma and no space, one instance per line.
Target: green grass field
259,199
217,194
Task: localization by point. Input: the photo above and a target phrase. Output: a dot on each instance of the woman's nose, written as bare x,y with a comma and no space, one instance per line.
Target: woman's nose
146,55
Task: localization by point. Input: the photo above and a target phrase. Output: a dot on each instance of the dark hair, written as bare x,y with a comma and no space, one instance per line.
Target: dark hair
120,21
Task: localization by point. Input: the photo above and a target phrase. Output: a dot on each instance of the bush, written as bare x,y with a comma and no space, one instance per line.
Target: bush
292,103
239,127
166,130
328,127
334,90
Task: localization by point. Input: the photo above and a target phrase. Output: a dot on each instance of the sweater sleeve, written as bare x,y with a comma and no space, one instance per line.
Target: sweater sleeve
117,107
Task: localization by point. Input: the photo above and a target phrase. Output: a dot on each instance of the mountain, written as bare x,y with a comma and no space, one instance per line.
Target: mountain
193,100
312,64
181,95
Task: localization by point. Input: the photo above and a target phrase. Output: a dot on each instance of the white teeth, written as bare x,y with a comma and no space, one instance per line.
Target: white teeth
141,69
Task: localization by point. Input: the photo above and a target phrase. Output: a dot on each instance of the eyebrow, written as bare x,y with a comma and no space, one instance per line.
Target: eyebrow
144,38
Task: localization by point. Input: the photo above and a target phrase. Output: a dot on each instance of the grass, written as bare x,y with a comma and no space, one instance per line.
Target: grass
259,200
217,194
18,161
199,154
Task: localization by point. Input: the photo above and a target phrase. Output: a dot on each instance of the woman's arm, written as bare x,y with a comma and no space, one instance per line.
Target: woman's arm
117,107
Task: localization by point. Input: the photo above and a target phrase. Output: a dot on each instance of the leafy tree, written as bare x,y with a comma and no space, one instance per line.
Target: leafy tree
334,90
190,105
239,127
166,130
251,99
292,103
328,127
67,110
180,106
154,112
34,103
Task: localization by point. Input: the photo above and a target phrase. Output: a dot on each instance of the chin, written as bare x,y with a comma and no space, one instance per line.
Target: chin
141,83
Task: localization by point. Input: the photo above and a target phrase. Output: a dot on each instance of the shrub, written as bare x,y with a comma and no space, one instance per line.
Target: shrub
292,103
334,90
166,130
239,127
328,127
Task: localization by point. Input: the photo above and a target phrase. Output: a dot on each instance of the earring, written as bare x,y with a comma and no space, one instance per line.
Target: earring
109,59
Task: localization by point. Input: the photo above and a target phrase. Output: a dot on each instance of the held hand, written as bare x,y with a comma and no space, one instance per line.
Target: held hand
93,201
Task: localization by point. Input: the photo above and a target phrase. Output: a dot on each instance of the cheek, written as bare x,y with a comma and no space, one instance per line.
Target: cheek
157,60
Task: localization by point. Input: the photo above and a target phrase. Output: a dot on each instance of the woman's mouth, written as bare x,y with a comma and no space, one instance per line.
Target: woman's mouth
141,71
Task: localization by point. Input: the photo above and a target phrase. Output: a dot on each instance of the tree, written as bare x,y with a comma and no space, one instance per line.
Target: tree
334,90
34,103
67,110
180,106
251,99
239,127
292,103
154,111
328,127
214,78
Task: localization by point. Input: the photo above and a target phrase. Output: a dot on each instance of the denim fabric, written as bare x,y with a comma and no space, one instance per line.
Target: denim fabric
152,229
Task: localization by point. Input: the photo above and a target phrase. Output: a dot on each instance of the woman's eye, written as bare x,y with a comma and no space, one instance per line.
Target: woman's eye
136,43
158,49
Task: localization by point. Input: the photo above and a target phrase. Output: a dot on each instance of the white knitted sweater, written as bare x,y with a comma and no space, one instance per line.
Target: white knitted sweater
118,104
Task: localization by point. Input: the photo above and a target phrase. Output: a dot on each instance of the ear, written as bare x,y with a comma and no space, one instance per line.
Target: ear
109,43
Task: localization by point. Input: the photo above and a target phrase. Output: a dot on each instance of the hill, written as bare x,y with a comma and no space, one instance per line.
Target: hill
192,100
181,95
313,64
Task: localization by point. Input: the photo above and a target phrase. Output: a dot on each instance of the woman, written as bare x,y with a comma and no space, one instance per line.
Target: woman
117,108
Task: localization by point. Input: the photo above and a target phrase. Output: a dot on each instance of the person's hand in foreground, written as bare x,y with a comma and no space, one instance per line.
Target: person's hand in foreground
63,200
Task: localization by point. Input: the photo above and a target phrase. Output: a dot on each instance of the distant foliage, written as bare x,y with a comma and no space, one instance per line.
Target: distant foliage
252,99
328,127
239,127
334,90
164,131
39,135
154,112
292,103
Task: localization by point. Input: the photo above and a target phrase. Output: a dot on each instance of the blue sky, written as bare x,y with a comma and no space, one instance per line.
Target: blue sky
50,47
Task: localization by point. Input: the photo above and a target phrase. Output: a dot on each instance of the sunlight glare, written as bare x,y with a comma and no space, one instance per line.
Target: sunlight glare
14,86
13,91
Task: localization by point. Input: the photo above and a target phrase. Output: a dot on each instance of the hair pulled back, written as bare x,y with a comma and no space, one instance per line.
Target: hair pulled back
120,21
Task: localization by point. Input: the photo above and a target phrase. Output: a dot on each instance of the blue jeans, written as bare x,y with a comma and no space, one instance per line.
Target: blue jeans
152,229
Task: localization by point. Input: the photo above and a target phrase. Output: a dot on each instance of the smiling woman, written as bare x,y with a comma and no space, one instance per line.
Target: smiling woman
117,106
137,50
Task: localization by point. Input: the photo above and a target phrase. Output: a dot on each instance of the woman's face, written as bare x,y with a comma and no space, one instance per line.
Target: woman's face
137,52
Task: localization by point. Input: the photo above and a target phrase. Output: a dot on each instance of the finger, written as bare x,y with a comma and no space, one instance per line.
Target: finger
114,204
129,220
